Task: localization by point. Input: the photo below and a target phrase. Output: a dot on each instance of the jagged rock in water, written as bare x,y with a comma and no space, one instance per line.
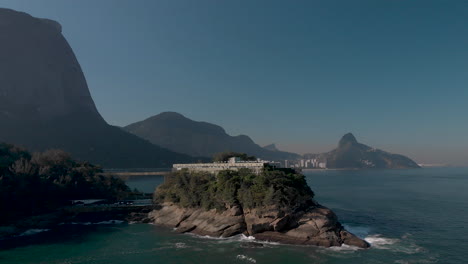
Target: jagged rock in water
45,101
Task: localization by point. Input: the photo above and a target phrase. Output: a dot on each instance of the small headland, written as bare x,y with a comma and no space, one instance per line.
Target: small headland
40,191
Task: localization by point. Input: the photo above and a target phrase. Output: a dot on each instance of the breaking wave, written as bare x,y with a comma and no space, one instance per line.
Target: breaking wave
377,241
402,245
243,257
181,245
344,248
33,232
108,222
380,242
236,238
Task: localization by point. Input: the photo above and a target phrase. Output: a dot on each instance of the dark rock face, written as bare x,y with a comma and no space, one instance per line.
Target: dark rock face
347,139
352,154
178,133
41,77
45,101
315,225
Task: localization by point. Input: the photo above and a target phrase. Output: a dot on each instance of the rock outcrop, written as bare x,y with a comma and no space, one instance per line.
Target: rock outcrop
350,154
181,134
41,77
315,225
45,101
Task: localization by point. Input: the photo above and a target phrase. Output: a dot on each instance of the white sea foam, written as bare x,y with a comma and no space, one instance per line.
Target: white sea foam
243,257
243,237
109,222
33,232
344,248
236,238
180,245
394,244
240,237
380,242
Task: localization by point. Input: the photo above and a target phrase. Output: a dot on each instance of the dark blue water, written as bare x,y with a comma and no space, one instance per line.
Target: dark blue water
409,216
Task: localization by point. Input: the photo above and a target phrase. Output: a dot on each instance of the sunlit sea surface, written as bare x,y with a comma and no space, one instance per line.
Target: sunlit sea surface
409,216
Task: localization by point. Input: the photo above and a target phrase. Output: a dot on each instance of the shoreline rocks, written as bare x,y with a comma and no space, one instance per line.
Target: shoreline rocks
314,225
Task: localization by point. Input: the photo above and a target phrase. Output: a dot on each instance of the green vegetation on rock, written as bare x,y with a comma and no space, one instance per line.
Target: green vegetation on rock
37,183
281,188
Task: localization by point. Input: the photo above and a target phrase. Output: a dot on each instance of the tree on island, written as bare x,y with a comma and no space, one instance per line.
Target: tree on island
282,188
224,156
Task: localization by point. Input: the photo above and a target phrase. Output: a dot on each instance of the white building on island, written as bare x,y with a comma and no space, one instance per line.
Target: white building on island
234,163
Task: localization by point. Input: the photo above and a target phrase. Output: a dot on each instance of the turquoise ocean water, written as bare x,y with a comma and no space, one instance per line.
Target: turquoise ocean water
409,216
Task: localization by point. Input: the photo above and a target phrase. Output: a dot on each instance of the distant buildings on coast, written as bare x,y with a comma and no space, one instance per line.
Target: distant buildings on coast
235,163
305,164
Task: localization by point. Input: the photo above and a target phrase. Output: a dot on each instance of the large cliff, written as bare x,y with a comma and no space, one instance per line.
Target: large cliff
181,134
276,205
45,101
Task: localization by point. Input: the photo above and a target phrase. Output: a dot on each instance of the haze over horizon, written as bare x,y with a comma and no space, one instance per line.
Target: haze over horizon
391,72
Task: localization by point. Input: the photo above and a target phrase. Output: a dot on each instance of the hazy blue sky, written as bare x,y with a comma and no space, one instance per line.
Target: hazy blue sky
297,73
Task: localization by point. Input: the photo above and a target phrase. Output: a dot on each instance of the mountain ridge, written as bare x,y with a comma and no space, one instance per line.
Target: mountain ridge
176,132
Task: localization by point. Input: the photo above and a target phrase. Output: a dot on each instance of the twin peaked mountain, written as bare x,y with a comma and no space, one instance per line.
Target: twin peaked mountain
45,103
352,154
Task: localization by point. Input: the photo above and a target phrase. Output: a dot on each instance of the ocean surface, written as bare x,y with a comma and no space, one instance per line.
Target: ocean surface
408,216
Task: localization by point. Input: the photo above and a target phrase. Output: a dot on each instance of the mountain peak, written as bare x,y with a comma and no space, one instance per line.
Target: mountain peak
271,147
352,154
178,133
347,139
171,115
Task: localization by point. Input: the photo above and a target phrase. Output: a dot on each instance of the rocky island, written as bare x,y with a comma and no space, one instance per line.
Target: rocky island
275,205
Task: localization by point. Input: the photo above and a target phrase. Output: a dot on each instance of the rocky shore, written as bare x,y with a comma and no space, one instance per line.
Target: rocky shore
314,225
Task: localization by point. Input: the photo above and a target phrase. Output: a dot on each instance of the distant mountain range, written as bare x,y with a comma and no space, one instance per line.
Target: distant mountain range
352,154
180,134
45,102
